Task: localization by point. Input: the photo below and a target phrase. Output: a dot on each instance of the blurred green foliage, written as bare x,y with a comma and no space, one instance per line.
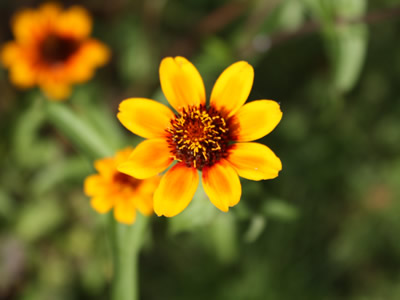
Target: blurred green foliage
326,228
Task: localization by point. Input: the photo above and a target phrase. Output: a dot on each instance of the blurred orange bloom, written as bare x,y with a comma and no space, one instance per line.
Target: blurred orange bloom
111,189
52,49
213,139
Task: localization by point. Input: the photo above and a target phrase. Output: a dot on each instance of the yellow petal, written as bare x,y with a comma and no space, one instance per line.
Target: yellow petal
56,90
25,26
176,190
122,155
222,185
22,74
106,167
10,53
256,119
145,117
254,161
74,22
125,211
147,160
181,83
232,87
144,199
144,204
94,185
102,204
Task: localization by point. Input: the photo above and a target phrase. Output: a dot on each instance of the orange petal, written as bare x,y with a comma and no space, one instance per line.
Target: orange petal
181,83
144,199
232,87
125,211
145,117
122,155
56,90
222,185
94,185
106,167
147,160
10,53
254,161
25,25
22,74
102,204
176,190
74,22
256,119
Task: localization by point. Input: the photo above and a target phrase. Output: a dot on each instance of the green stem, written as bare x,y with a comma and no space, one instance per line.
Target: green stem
126,240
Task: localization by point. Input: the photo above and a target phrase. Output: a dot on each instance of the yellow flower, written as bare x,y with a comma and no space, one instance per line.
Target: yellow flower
52,49
112,189
213,139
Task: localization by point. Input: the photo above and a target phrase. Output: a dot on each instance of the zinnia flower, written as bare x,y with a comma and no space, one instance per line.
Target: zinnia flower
111,189
213,139
52,49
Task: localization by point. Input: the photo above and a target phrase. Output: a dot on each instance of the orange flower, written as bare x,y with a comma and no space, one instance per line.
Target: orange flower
201,138
52,49
112,189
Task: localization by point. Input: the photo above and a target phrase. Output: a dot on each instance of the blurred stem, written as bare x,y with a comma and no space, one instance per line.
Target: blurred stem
127,242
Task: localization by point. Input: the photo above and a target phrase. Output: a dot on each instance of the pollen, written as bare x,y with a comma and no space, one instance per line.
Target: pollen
199,136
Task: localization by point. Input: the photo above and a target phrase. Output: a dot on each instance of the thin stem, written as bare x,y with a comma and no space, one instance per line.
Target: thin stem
127,242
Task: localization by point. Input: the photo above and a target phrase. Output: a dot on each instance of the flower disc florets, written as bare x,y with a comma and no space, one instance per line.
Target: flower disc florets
125,181
199,136
56,49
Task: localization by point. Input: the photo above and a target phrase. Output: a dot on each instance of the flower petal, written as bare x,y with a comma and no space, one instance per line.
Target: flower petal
145,117
56,90
147,160
176,190
125,211
102,204
106,167
181,83
222,185
10,53
74,22
232,87
254,161
94,185
22,74
256,119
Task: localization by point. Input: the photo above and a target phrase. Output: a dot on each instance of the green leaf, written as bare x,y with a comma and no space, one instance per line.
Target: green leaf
345,42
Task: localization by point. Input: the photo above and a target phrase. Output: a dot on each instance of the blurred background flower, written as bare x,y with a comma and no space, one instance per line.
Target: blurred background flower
52,49
326,228
111,189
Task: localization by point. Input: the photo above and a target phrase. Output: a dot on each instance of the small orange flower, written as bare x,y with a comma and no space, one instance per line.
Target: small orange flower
112,189
52,49
201,138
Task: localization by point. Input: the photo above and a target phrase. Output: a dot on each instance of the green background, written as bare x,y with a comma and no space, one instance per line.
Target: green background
327,228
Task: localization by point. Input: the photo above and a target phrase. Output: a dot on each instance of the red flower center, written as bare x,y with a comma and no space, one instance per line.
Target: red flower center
56,49
199,136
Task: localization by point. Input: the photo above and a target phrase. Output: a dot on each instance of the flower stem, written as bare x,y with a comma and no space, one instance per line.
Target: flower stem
127,242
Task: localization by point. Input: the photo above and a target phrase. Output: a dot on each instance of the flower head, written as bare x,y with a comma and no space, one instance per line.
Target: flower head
213,139
112,189
52,49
